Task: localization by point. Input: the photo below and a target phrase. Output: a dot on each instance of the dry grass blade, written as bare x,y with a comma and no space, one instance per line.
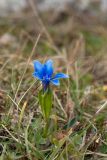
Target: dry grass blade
14,138
31,3
22,113
59,103
96,153
27,92
27,65
14,103
101,108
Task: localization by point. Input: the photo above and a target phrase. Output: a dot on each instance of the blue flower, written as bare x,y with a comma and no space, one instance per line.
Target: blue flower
45,73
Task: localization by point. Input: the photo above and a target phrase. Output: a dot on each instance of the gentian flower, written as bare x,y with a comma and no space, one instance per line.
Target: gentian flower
45,73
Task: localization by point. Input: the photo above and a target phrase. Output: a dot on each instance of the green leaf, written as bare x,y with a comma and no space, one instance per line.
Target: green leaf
45,100
70,123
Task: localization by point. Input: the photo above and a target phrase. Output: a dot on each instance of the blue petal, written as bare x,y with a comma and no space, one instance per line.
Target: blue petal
44,71
55,82
37,75
37,66
48,68
60,75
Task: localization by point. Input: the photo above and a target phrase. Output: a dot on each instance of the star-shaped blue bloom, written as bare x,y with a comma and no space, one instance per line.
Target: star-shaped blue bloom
45,73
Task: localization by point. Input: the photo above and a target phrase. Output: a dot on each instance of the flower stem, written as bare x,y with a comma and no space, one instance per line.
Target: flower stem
45,132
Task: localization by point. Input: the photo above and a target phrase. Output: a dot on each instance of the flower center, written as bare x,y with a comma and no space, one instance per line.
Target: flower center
46,78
